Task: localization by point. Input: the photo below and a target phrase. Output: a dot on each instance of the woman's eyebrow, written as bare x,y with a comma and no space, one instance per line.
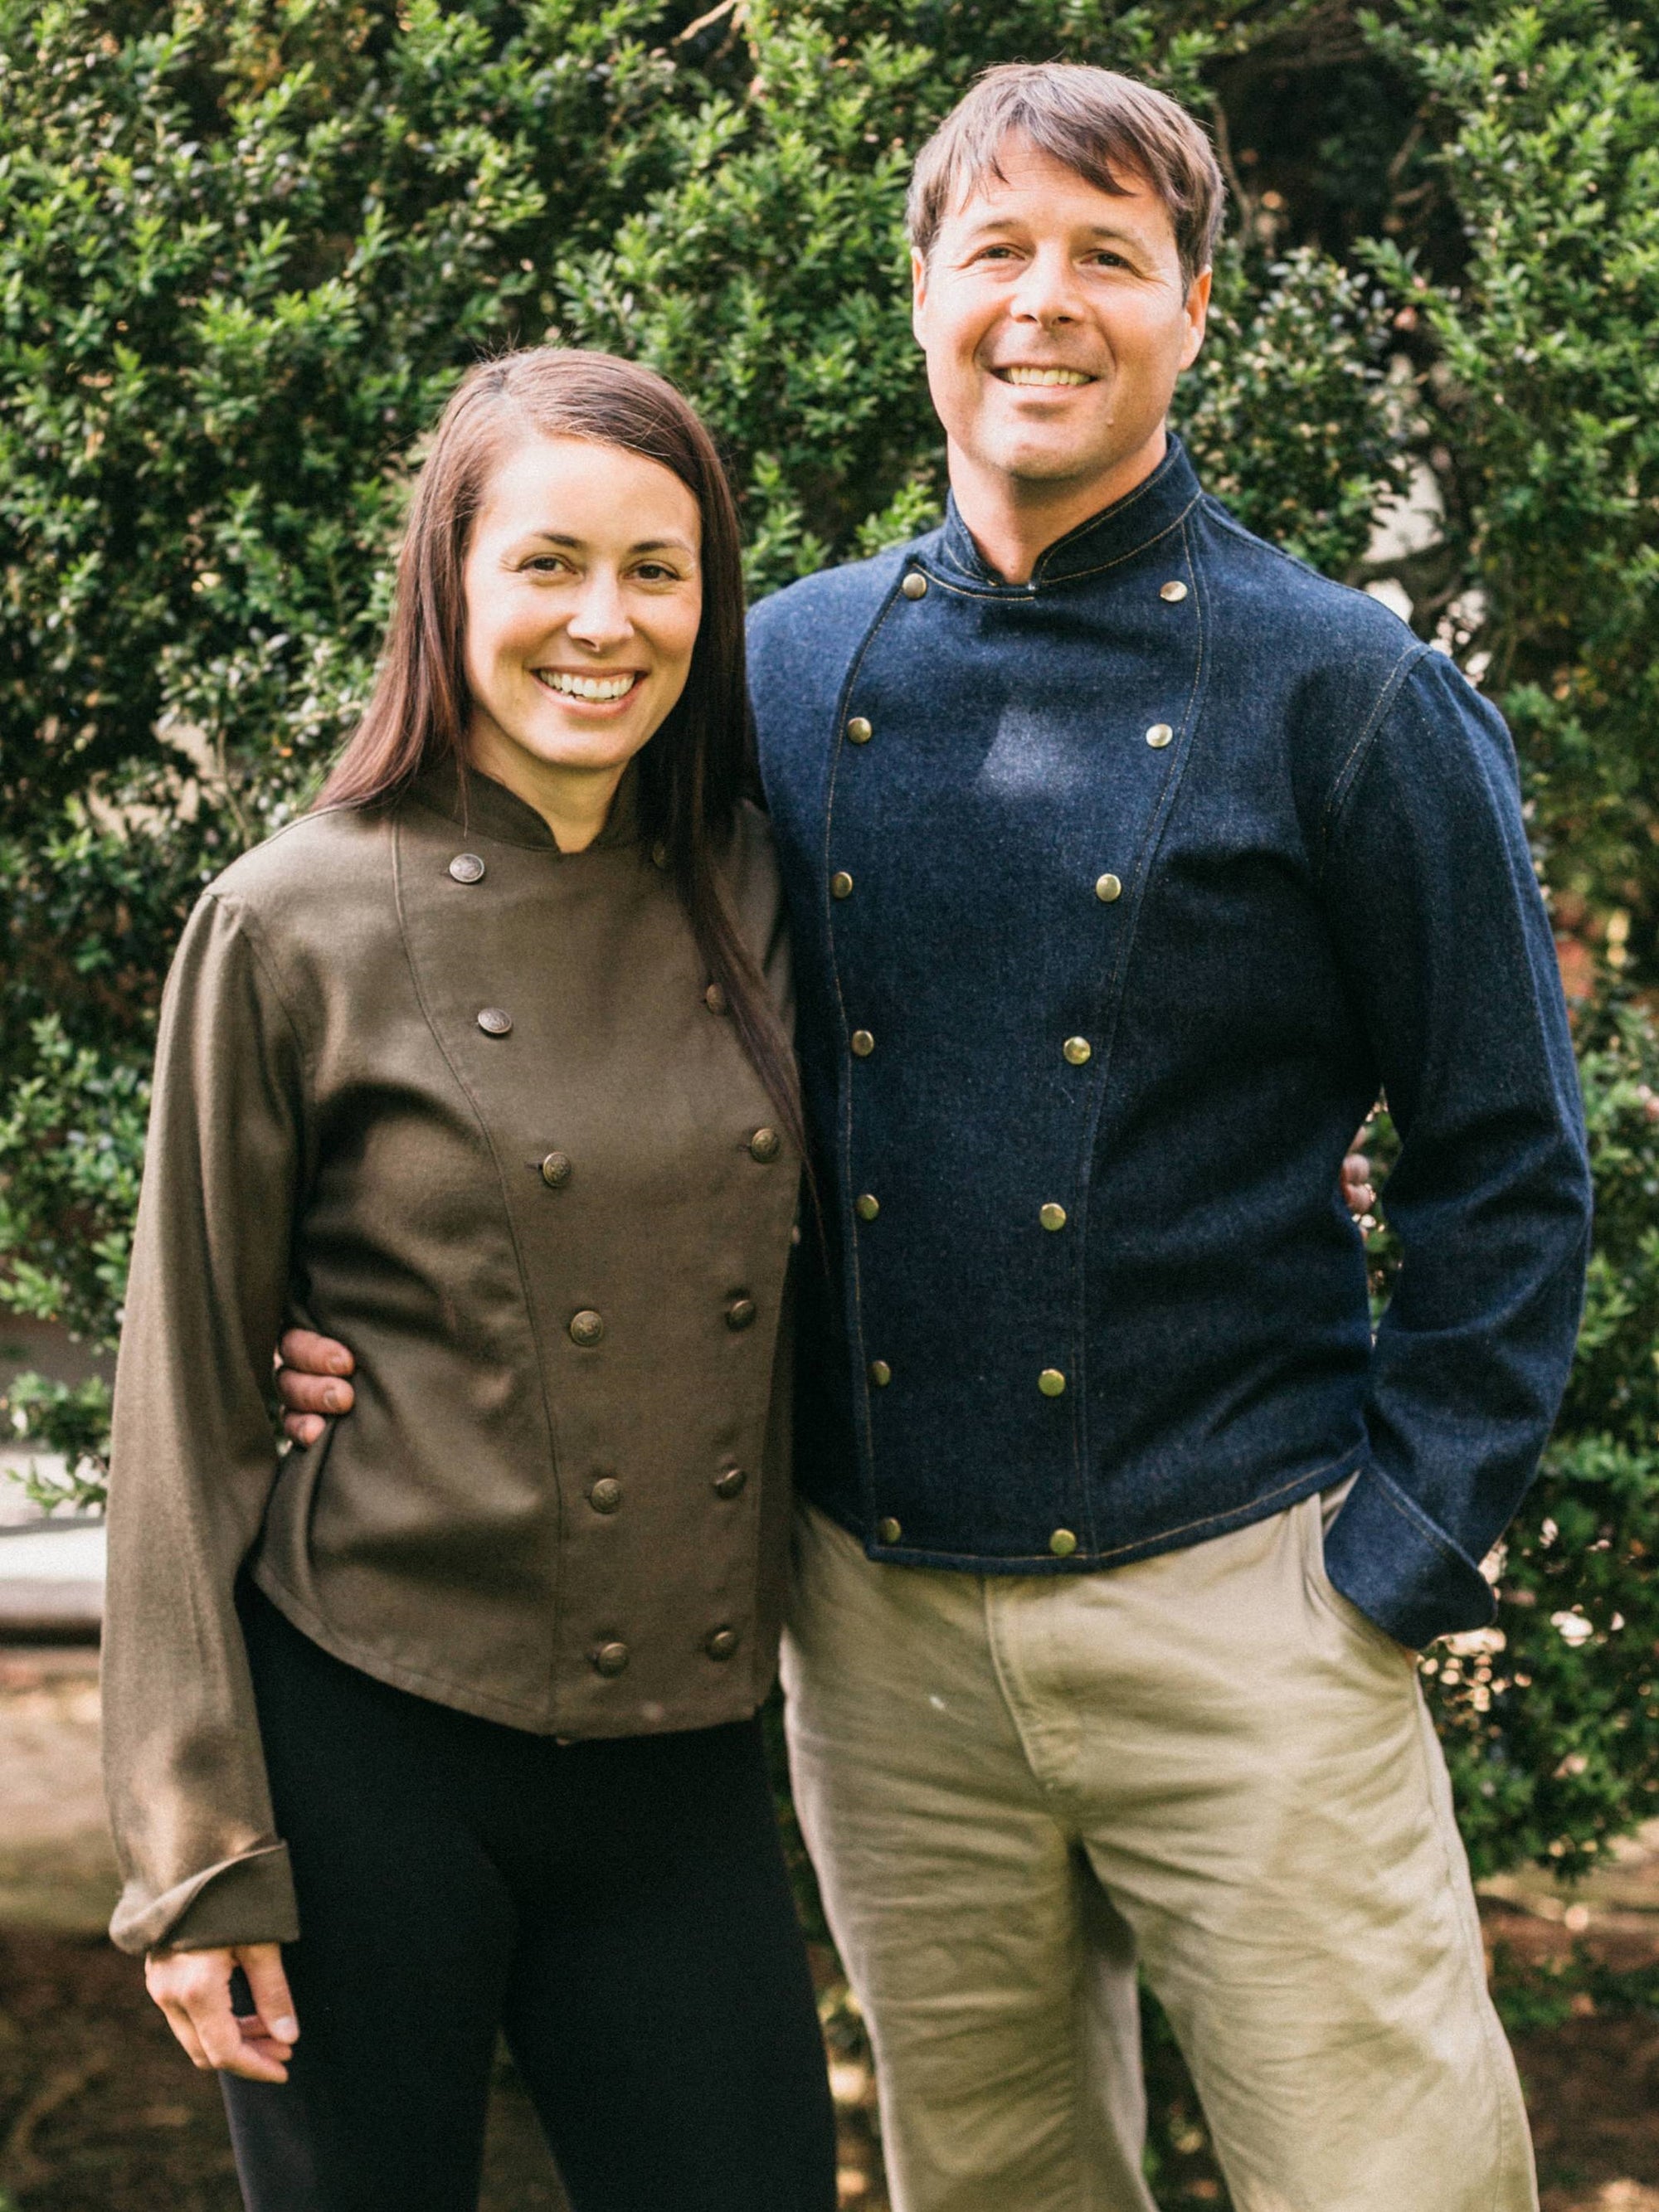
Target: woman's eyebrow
644,545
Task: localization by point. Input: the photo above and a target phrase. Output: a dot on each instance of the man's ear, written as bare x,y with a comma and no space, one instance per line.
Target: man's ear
918,292
1198,309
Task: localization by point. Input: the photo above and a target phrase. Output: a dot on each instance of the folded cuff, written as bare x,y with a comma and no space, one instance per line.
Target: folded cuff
248,1899
1387,1557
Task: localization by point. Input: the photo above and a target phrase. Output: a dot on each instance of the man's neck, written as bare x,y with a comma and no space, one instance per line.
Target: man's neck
1014,520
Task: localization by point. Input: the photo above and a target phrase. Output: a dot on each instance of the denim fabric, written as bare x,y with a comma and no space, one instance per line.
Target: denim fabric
1325,890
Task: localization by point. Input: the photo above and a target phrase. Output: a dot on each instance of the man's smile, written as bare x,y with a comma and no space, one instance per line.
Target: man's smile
1022,373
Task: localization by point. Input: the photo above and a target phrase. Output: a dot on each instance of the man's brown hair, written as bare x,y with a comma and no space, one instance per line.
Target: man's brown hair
1103,126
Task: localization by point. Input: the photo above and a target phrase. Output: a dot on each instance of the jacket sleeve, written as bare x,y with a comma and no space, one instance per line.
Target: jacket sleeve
1450,955
194,1459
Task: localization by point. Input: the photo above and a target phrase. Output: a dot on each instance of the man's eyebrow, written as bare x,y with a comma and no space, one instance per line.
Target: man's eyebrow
993,221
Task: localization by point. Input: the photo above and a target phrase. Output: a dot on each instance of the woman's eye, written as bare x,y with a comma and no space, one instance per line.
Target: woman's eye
653,571
546,564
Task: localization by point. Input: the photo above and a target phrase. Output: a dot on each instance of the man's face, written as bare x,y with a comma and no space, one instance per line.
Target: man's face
1055,321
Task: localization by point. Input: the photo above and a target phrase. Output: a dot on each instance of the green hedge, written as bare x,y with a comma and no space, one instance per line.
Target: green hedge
245,251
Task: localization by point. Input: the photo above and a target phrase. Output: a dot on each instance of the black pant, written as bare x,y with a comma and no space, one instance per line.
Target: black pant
621,1909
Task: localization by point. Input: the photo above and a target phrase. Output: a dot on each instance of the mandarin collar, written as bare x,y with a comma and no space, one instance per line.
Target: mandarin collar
1127,527
479,803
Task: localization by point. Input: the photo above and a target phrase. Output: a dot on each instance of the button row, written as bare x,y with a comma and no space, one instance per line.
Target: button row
765,1145
605,1496
890,1532
1051,1382
1076,1050
611,1658
586,1328
867,1206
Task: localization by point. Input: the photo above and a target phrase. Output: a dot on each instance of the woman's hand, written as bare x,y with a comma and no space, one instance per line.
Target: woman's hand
310,1372
193,1990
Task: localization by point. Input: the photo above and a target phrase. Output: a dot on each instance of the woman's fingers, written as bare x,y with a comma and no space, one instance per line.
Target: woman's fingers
193,1990
179,2021
268,1986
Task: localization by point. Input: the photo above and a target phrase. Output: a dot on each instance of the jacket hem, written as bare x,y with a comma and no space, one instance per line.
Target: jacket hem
1179,1537
462,1697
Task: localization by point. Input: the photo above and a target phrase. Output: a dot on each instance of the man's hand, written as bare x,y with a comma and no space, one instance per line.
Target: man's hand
309,1369
193,1990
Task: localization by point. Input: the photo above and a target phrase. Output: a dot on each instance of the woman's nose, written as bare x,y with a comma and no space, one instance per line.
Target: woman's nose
600,617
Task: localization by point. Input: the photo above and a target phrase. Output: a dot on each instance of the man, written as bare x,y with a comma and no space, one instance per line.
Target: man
1127,859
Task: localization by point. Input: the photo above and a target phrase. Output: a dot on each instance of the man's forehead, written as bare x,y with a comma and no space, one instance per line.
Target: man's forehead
1019,180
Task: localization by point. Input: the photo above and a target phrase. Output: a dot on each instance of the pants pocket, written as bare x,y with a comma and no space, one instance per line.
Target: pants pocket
1358,1628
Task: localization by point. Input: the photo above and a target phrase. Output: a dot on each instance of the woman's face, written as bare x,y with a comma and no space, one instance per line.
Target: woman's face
584,591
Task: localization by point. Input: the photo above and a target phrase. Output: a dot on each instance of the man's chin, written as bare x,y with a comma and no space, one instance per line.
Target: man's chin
1053,465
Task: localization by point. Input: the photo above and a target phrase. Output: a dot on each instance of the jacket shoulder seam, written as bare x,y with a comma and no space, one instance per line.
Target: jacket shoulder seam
241,919
1348,774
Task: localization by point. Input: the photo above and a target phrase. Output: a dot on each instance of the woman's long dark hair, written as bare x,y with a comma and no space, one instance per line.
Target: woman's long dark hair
694,769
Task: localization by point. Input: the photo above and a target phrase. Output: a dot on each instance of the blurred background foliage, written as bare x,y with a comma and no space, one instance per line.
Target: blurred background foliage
245,249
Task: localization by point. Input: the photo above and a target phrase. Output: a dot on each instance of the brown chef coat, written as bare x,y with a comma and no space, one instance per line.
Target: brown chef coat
463,1101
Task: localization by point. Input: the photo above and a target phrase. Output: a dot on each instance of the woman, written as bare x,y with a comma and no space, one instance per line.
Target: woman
448,1725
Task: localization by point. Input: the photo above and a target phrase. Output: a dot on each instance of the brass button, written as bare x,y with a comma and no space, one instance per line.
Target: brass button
1077,1050
495,1021
1053,1216
765,1145
1051,1382
1062,1543
715,999
1159,736
610,1658
859,731
1173,593
740,1314
880,1373
841,884
1108,888
586,1326
866,1205
556,1171
467,868
605,1496
862,1042
914,586
659,854
721,1643
889,1531
729,1482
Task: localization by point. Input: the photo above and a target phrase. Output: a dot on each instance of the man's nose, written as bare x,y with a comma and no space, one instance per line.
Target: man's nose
600,617
1047,292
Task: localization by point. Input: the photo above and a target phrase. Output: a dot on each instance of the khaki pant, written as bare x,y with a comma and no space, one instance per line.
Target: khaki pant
1015,1788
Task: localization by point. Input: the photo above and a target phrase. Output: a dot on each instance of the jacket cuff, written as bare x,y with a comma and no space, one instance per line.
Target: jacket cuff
1387,1557
242,1900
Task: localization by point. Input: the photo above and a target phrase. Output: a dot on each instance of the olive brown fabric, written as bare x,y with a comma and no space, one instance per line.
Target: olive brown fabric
463,1101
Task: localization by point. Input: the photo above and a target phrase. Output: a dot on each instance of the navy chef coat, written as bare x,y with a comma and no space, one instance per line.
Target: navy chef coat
1117,897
